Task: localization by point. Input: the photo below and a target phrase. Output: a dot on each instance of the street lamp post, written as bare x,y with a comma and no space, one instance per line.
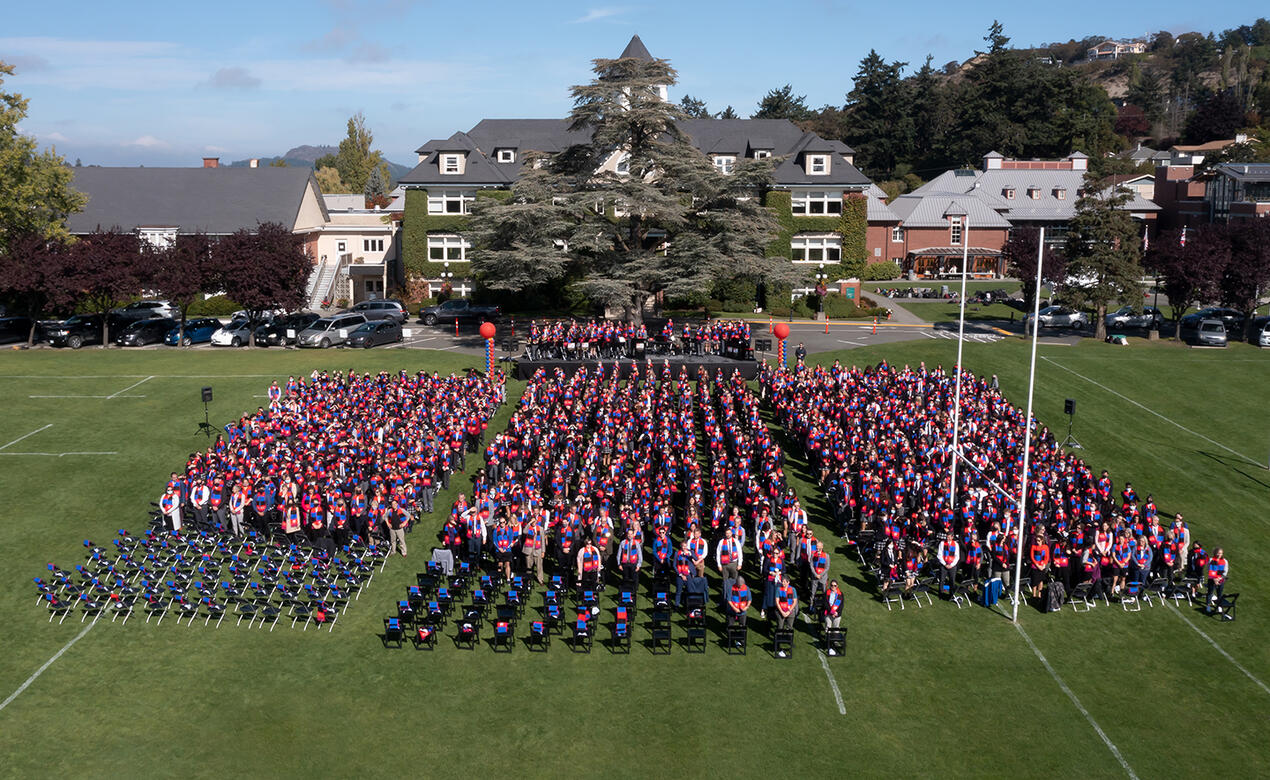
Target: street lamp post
821,276
961,339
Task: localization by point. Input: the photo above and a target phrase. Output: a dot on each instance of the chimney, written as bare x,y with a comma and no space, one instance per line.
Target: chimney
253,162
211,162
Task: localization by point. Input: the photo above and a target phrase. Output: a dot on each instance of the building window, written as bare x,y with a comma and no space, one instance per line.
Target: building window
450,201
724,163
954,236
1060,193
817,164
451,163
897,234
1034,193
340,246
447,248
1008,193
762,154
372,245
506,155
812,202
816,248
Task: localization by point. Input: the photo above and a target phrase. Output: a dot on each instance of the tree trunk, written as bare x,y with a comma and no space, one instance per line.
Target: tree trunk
105,329
1100,324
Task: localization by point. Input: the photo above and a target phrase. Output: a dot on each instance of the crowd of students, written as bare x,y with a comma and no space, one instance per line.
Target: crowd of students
880,441
336,457
604,480
601,339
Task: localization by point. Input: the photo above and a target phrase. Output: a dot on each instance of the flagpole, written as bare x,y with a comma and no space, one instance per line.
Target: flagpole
961,338
1027,427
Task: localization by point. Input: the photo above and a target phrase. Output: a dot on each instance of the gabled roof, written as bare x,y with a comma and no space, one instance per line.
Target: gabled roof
1255,172
635,50
212,200
878,211
919,209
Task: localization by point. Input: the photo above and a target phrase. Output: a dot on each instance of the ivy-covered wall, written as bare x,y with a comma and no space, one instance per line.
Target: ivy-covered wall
852,225
418,223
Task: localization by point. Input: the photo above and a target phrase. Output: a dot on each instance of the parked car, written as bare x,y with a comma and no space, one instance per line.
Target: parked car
457,309
1210,333
1059,317
1231,318
1126,317
143,310
376,332
197,331
262,317
329,331
236,334
142,332
275,333
75,331
14,329
1259,334
380,310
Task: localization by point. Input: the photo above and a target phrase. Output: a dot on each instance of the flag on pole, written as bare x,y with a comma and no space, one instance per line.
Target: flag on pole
1146,239
1182,240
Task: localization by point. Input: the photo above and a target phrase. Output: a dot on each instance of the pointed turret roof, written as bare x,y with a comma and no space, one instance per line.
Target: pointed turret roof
635,50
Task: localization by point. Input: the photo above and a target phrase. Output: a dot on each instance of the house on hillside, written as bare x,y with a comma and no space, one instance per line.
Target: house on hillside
1194,154
1115,49
814,191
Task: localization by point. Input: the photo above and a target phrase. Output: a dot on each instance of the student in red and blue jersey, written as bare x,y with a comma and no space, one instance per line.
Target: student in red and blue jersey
1218,571
739,600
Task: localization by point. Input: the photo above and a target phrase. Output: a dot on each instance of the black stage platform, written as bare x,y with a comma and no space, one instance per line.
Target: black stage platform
748,368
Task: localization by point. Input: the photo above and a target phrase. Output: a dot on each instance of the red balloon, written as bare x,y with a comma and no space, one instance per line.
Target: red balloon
487,330
781,330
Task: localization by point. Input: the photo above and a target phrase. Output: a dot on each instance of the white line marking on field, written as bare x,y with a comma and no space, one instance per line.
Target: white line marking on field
58,454
855,343
928,334
1145,409
1219,648
837,694
1045,662
32,433
129,387
104,397
46,665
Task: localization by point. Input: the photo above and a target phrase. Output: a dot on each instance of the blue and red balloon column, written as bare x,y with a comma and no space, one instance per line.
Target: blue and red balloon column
487,332
782,332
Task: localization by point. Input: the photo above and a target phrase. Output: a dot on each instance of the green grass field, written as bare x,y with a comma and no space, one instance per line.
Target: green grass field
934,691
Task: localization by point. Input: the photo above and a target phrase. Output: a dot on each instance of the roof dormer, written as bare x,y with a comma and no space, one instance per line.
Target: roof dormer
451,163
817,163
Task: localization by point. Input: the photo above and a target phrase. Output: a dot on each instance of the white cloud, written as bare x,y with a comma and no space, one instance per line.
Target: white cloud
56,137
596,14
149,142
231,78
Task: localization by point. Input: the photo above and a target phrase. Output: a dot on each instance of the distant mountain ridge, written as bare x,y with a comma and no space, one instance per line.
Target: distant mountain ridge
304,156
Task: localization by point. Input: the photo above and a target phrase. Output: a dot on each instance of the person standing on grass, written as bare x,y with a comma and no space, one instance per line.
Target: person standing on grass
1039,560
728,555
238,499
833,608
630,557
739,600
1218,572
534,545
170,506
397,520
786,606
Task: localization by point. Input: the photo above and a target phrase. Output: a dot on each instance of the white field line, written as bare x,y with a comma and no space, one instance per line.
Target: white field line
129,387
1150,411
32,433
58,454
1219,649
105,397
928,334
837,694
46,665
1115,751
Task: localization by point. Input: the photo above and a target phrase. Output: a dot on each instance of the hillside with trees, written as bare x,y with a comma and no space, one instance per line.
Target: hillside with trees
909,121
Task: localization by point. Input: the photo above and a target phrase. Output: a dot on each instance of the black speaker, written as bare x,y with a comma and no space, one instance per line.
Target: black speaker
207,395
1069,406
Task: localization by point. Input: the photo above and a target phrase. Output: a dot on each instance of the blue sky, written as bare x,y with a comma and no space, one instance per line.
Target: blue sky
153,83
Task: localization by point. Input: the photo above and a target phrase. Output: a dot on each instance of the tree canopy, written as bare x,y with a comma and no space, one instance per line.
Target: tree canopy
1104,252
35,186
633,214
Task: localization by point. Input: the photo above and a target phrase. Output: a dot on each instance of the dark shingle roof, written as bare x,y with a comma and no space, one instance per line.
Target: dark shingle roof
636,50
212,200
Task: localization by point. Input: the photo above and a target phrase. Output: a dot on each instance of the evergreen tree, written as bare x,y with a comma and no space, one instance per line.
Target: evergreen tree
727,113
1103,253
782,103
356,159
880,127
693,108
670,225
